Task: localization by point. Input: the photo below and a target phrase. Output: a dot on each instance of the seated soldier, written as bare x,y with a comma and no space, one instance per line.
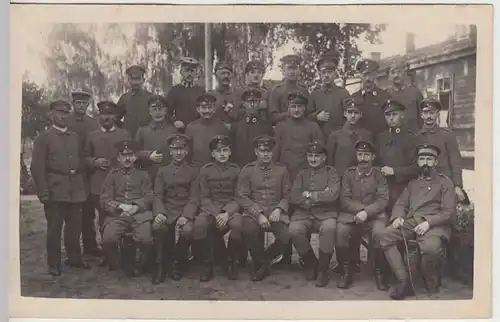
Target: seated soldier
262,191
424,213
127,197
175,206
364,197
315,192
219,209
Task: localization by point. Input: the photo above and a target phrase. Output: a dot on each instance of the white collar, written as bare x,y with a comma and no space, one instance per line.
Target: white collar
60,129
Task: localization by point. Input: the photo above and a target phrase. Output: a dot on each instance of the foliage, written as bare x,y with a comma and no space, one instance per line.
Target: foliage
34,109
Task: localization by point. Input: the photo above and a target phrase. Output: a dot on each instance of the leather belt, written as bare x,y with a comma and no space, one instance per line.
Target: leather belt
70,172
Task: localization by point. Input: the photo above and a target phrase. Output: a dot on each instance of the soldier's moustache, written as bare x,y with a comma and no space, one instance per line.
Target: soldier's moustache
425,170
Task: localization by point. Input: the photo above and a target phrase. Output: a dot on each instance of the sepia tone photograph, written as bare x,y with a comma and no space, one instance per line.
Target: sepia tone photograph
251,161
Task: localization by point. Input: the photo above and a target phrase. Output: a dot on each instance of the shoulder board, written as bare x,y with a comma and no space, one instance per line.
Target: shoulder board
250,165
280,164
444,176
351,169
447,129
208,165
233,165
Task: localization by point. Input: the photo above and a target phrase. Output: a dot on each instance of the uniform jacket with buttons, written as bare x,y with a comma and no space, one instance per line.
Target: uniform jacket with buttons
176,192
263,188
328,99
127,186
428,199
410,96
373,118
324,184
224,97
340,146
58,167
182,102
101,144
218,188
450,159
292,138
243,133
133,107
278,100
363,191
82,126
201,132
263,106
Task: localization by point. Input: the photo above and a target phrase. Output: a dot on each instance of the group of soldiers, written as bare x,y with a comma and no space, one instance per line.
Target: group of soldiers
247,161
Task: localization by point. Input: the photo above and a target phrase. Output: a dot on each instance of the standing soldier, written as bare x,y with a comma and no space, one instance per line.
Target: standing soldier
100,152
325,104
176,202
450,159
251,126
182,98
363,199
315,192
372,97
80,123
396,152
203,129
219,209
153,152
127,197
410,96
227,97
424,213
58,170
262,191
278,96
133,105
254,72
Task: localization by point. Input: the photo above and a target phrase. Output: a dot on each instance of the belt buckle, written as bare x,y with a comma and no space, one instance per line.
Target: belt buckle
72,172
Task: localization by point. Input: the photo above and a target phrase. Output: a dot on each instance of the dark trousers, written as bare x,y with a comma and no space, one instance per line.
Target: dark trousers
57,214
88,222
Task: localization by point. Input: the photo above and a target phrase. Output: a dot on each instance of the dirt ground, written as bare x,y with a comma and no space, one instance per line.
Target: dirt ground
100,283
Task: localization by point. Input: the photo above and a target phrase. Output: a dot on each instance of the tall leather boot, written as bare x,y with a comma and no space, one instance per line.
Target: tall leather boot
180,258
323,267
233,248
430,269
403,286
310,265
159,265
259,257
344,259
206,250
380,271
112,256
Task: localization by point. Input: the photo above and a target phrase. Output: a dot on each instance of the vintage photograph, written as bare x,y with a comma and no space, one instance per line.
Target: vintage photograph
248,161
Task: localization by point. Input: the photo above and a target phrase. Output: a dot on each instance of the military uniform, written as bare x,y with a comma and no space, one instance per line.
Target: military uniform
227,99
328,98
58,171
362,191
261,189
263,108
102,144
202,131
427,198
246,130
396,149
82,124
217,195
410,96
316,212
176,194
182,98
129,186
133,105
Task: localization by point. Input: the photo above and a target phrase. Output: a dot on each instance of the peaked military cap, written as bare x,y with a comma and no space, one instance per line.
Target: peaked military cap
431,103
365,66
264,142
126,146
393,105
330,59
254,64
189,61
178,140
135,71
219,141
207,97
291,60
251,93
155,100
428,149
316,147
364,146
107,107
223,65
80,95
299,97
60,105
351,102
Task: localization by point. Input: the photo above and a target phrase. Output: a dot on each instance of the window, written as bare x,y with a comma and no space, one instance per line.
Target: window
444,86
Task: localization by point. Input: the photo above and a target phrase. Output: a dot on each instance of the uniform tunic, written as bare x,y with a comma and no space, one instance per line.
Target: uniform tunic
278,100
82,125
264,102
182,101
100,144
373,118
242,134
328,99
133,107
292,139
150,138
340,146
222,98
201,132
450,159
410,97
132,187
